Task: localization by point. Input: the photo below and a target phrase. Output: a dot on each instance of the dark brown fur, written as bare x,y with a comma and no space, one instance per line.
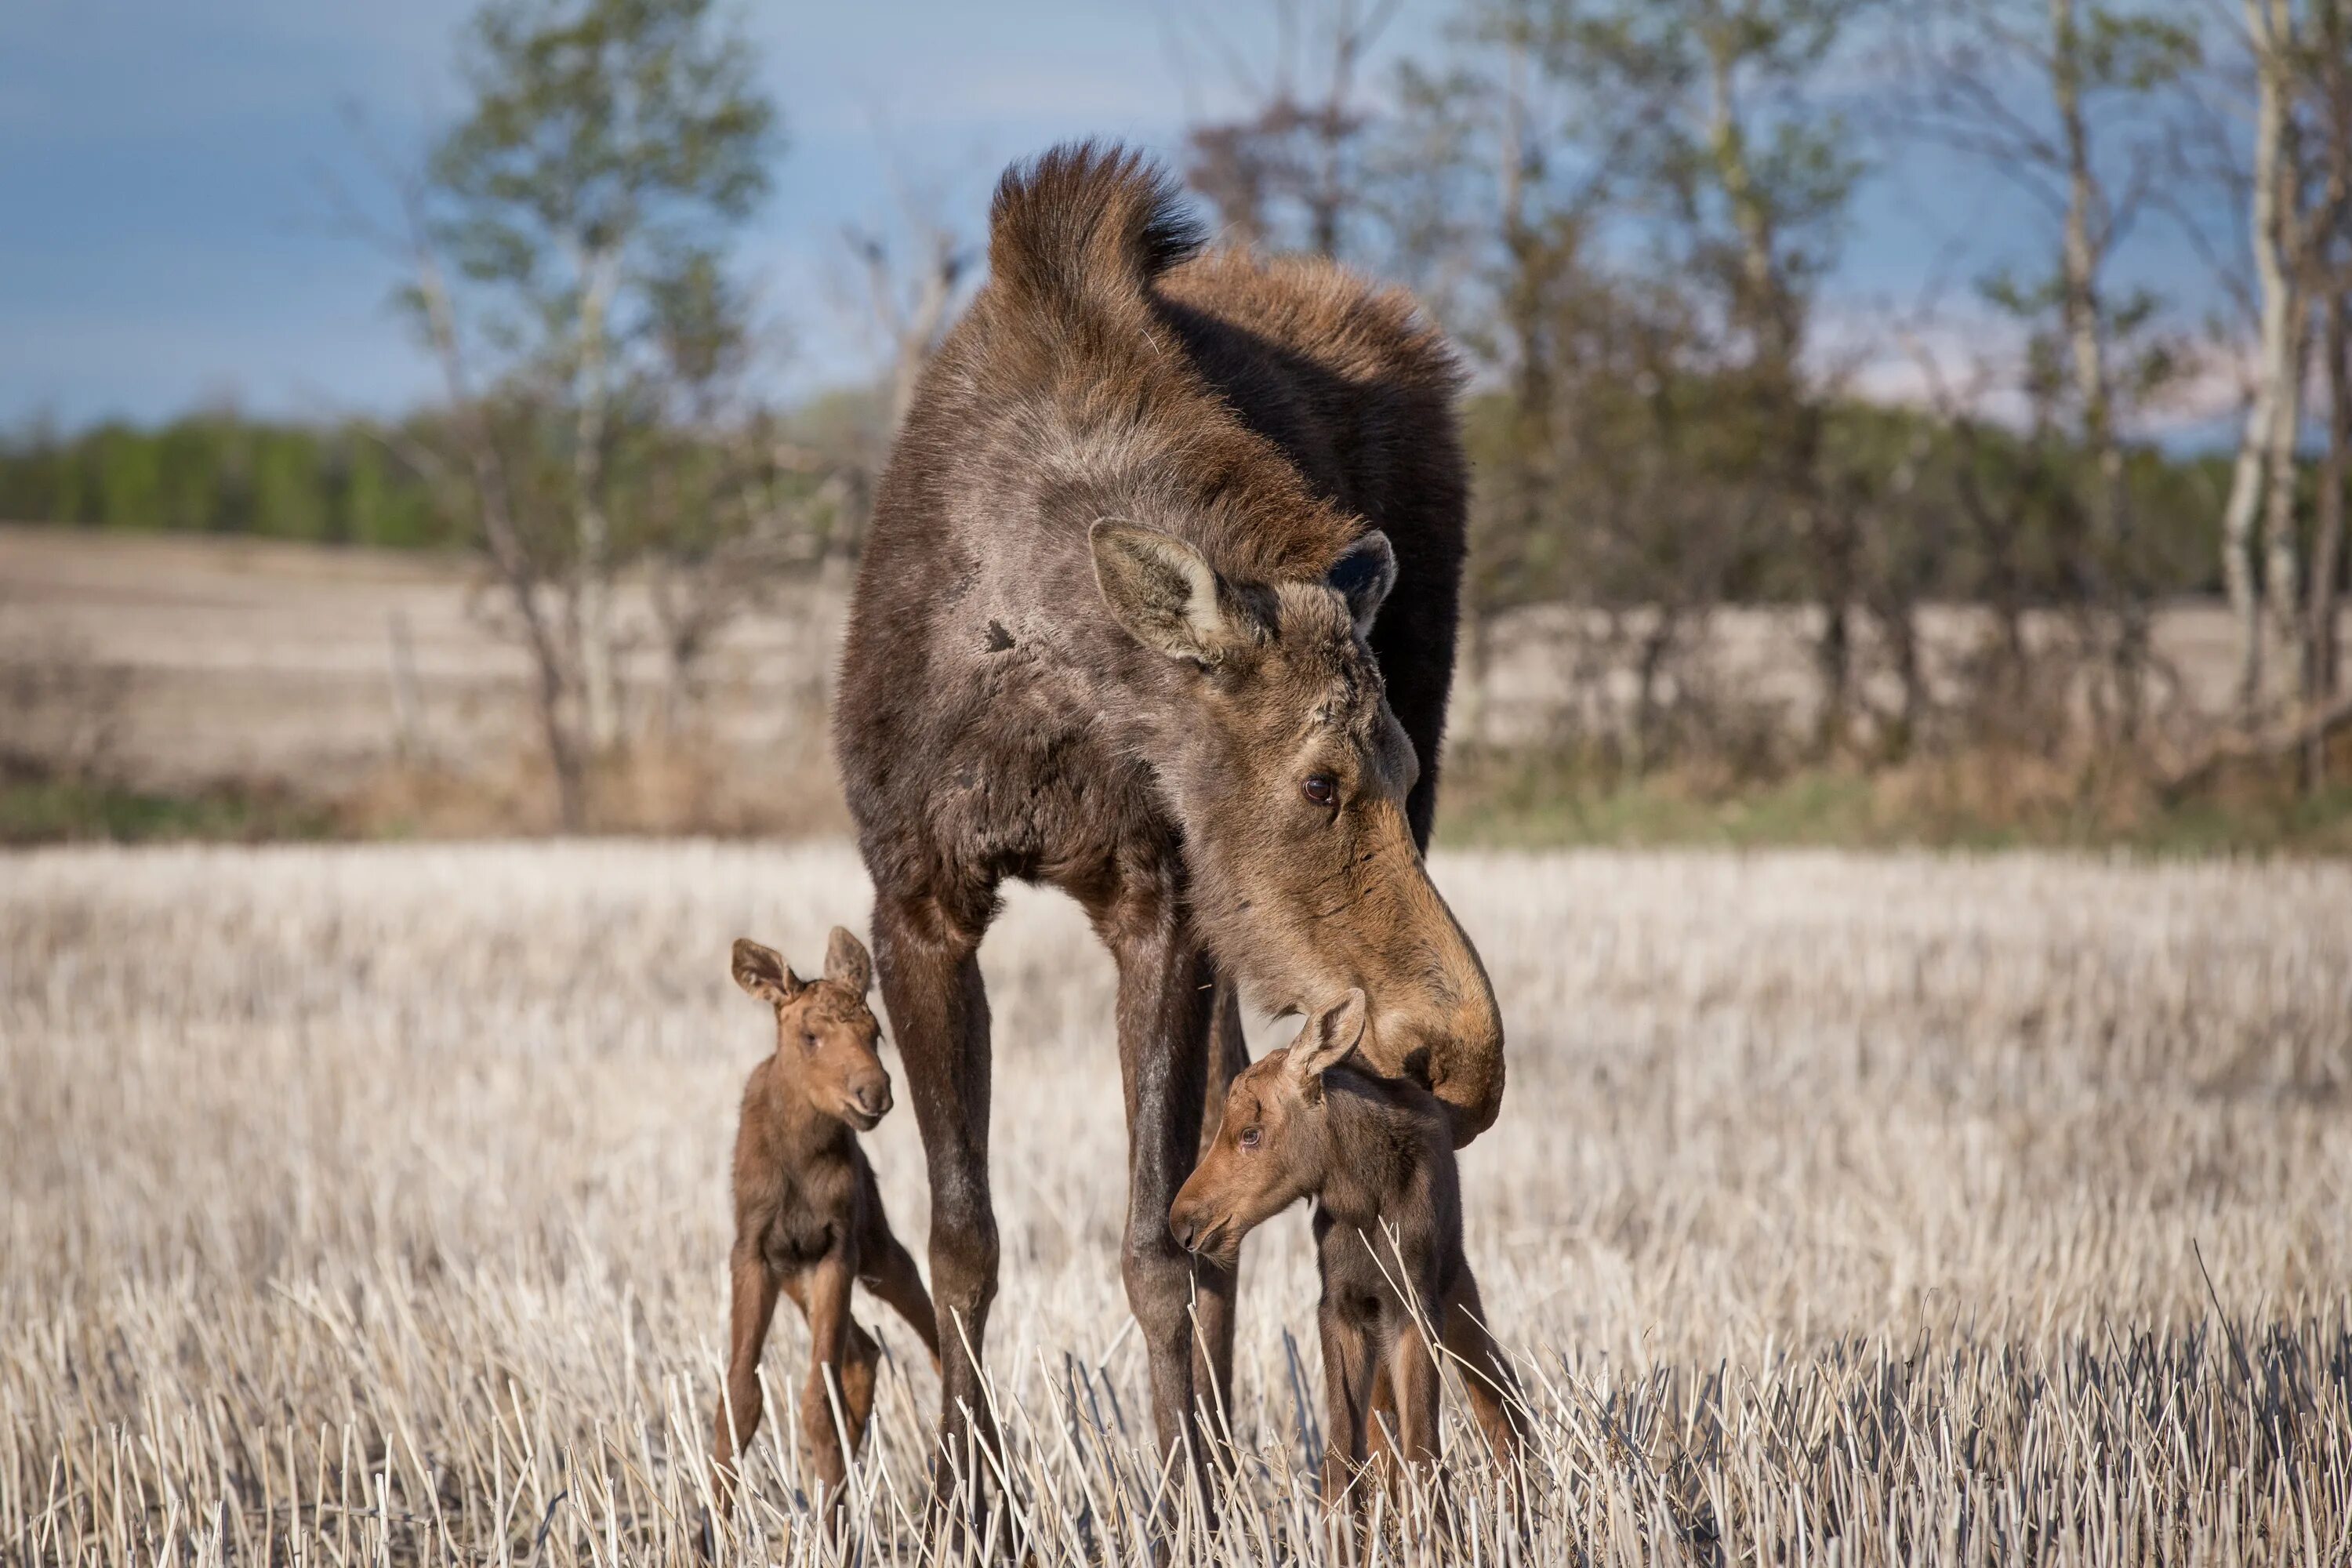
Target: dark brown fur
808,1215
1376,1156
1127,587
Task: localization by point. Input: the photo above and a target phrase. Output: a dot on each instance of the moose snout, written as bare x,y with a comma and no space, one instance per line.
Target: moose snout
871,1100
1189,1224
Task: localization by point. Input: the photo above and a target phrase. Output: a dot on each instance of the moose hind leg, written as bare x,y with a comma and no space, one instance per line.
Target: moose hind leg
896,1285
860,1355
1494,1389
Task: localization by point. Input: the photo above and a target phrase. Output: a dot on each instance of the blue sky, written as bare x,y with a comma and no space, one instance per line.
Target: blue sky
166,242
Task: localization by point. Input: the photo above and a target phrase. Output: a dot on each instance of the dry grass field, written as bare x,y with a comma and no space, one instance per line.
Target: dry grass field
372,682
366,1206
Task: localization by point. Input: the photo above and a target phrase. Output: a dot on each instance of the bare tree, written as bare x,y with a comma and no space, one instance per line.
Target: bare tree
2332,78
1287,171
912,286
2089,157
609,146
560,253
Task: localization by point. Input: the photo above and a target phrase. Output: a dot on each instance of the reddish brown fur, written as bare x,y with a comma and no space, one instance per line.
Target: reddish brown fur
1127,589
808,1215
1376,1156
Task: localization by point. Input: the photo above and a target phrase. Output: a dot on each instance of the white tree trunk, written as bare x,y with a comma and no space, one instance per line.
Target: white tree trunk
2080,261
2268,664
2238,545
2246,489
593,534
2280,596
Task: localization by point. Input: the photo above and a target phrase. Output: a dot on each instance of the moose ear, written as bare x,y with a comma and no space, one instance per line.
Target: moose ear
845,962
1363,575
1329,1037
763,973
1165,592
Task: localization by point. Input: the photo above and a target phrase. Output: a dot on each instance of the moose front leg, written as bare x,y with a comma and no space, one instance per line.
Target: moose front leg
1348,1364
1165,989
753,1309
1412,1366
927,955
840,1387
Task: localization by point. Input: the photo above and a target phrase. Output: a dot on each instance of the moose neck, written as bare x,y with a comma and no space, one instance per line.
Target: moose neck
802,1126
1383,1149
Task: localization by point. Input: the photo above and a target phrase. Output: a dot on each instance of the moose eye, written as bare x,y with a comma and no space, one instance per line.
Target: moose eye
1320,789
808,1038
1248,1140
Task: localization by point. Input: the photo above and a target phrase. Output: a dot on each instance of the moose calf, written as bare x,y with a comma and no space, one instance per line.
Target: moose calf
808,1215
1377,1156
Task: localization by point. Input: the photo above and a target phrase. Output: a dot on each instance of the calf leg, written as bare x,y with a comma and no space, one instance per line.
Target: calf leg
1494,1389
827,1437
859,1356
1213,1347
927,953
753,1309
900,1288
1412,1372
1348,1369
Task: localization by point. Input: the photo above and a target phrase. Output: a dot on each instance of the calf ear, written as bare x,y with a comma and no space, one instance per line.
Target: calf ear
845,962
1329,1037
763,973
1166,594
1363,575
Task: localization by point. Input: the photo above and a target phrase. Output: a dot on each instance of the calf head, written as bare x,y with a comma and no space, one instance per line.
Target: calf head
825,1034
1275,1144
1288,771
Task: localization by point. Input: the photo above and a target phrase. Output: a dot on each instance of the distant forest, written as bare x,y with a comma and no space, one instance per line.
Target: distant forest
224,473
221,473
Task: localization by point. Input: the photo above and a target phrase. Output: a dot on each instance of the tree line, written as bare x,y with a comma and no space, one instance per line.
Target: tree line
222,473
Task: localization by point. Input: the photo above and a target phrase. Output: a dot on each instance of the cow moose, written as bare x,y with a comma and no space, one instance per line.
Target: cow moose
1157,605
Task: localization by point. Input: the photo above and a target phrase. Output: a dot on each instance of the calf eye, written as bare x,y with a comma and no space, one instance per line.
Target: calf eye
1249,1138
1320,789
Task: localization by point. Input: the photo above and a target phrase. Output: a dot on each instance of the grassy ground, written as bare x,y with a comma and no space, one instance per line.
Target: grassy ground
366,1204
60,810
1515,801
1521,801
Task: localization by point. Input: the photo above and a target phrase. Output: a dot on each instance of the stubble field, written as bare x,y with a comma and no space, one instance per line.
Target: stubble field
367,1204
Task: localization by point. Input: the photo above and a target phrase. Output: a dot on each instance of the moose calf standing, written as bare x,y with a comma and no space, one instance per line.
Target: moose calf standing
808,1215
1377,1156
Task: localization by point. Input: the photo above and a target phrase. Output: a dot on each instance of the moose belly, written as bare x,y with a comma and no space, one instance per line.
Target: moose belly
792,1242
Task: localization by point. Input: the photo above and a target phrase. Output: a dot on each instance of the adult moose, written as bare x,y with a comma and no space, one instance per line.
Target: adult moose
1158,606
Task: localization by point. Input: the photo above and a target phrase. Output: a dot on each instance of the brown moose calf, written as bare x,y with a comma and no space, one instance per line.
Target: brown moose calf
1377,1156
808,1215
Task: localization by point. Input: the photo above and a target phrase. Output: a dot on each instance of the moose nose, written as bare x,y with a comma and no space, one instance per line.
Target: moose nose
1184,1229
873,1099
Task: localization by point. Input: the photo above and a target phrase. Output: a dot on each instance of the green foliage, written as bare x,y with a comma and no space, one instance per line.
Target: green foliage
51,810
219,473
1549,799
612,146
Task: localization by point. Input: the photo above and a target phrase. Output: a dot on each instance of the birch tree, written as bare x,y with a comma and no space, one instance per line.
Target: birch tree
2087,154
610,147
